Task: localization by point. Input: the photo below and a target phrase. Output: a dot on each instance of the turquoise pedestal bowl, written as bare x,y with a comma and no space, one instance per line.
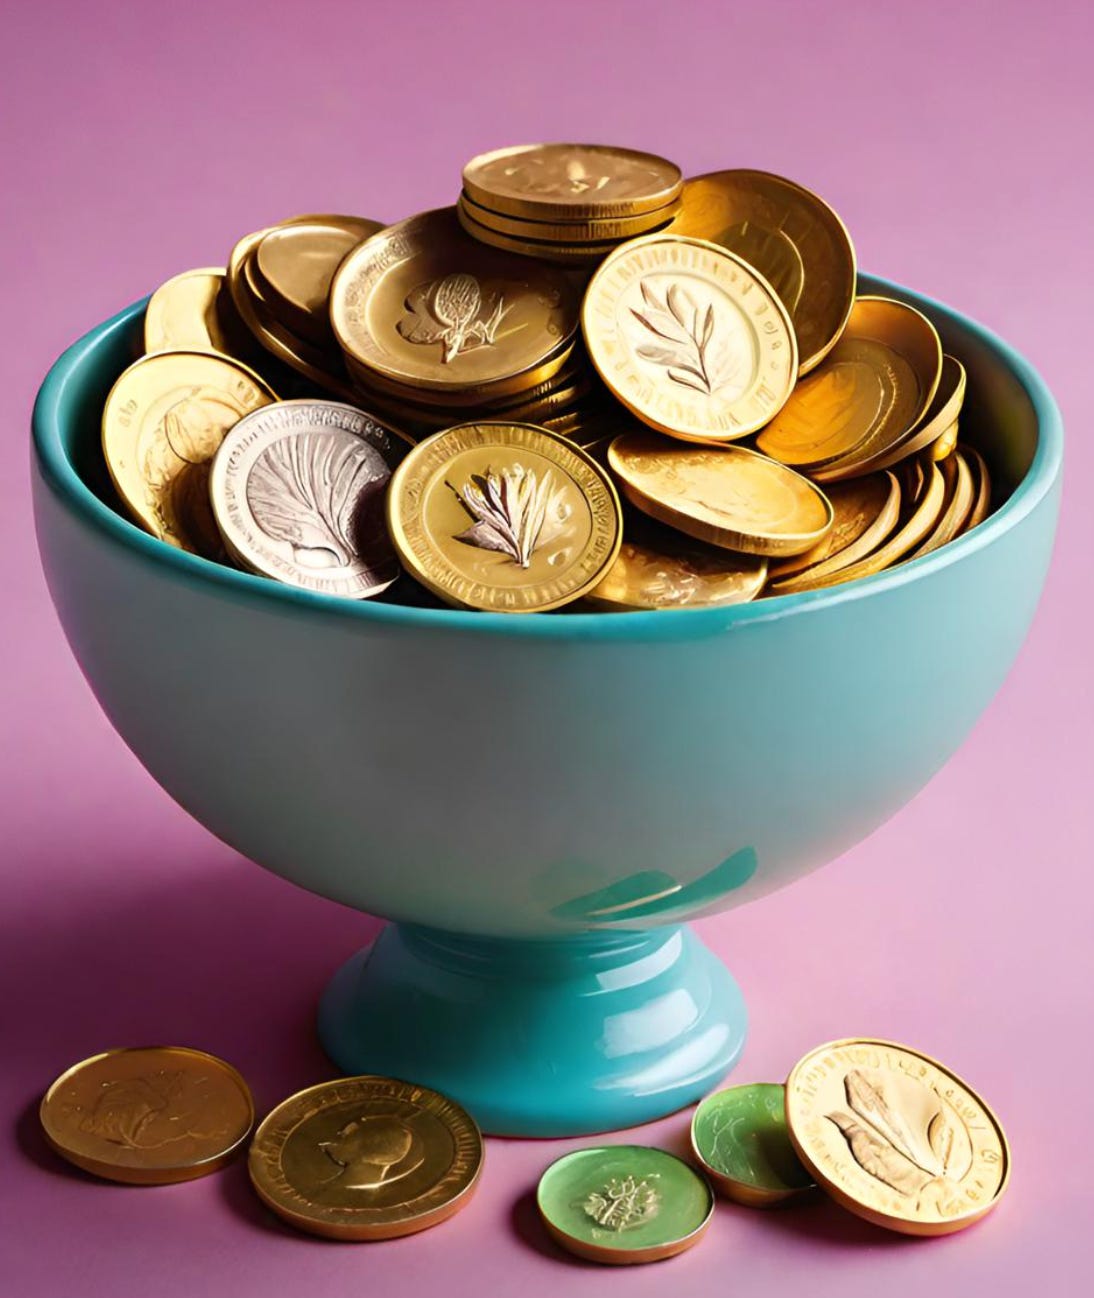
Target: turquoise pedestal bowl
538,803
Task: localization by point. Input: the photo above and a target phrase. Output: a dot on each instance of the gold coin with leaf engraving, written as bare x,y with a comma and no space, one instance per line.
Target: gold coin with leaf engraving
690,338
723,495
504,517
658,567
148,1116
163,422
366,1158
874,386
792,237
182,314
569,182
425,306
896,1137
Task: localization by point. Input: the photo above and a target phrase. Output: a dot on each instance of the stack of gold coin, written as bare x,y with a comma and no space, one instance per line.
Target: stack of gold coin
567,203
770,429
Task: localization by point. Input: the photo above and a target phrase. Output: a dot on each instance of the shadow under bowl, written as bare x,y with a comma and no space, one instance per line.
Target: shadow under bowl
540,801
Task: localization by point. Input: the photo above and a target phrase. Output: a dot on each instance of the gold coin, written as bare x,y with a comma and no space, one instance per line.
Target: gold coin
690,338
896,1137
658,567
163,421
182,314
982,504
927,507
424,305
961,496
150,1116
866,511
724,495
613,230
366,1158
873,387
504,517
315,364
792,237
571,182
937,424
296,263
565,254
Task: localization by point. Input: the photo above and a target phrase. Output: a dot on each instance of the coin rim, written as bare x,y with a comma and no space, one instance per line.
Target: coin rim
743,1192
901,1225
704,437
126,1175
372,1231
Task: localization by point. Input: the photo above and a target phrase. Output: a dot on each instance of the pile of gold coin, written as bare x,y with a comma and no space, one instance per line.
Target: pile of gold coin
889,1133
591,383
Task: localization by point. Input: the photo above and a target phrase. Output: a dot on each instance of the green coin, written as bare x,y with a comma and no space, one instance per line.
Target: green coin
740,1137
624,1203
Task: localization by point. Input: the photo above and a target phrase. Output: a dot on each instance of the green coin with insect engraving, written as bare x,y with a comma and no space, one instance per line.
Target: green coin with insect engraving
624,1203
739,1135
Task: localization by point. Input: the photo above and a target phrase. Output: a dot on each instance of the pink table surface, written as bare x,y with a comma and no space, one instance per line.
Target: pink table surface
137,142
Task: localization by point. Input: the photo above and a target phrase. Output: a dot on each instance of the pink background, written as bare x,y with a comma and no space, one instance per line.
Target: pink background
137,142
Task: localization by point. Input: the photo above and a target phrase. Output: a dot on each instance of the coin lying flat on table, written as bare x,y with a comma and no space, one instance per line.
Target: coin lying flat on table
792,237
298,494
723,495
150,1116
895,1137
503,517
423,305
873,387
739,1136
366,1158
690,338
660,568
563,182
163,422
624,1204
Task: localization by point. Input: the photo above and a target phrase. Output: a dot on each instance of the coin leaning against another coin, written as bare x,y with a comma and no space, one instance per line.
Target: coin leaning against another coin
298,494
366,1158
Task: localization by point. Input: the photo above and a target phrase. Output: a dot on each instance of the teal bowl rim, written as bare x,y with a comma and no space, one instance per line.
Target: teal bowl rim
664,624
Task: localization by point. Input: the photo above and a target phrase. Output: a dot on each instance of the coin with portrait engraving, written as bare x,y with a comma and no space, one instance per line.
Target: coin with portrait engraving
422,305
148,1116
298,494
504,517
162,423
739,1137
624,1204
570,182
658,567
868,393
365,1158
690,338
182,314
724,495
895,1136
792,237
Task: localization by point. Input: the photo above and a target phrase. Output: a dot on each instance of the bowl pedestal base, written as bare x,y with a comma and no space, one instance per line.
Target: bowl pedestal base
540,1037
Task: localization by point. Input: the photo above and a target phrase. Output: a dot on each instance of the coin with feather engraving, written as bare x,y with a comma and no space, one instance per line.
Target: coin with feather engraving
896,1137
298,495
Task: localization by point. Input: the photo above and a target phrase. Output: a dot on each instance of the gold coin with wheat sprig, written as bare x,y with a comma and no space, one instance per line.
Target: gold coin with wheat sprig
503,517
690,338
895,1136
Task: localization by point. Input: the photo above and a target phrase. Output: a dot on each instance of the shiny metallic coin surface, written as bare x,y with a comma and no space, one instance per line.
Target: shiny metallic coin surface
739,1137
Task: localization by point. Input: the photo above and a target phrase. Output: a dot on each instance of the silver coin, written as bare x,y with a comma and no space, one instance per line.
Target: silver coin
298,495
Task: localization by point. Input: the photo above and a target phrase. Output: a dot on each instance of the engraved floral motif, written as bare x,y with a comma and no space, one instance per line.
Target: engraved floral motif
449,311
623,1203
306,489
683,340
149,1112
920,1165
515,511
